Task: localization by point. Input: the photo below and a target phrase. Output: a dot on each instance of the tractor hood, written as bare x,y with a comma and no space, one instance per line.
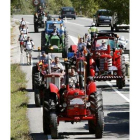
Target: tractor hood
75,93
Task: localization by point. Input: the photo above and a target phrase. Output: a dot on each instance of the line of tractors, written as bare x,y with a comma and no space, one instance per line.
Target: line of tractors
85,101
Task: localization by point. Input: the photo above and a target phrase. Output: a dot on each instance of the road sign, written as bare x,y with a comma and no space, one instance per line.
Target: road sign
35,2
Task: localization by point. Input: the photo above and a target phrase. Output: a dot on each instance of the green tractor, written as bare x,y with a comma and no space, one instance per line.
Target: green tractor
54,43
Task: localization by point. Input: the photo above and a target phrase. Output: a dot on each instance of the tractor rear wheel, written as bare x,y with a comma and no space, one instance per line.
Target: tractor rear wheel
65,49
121,82
43,41
96,108
46,114
54,125
37,79
34,70
37,98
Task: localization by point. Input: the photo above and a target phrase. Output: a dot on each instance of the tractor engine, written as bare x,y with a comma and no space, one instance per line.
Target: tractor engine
55,41
105,62
76,102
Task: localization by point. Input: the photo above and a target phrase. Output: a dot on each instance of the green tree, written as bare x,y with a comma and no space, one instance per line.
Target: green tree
119,6
87,7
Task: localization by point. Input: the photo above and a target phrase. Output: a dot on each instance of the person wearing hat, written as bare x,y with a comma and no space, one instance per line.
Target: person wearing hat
93,30
103,46
45,57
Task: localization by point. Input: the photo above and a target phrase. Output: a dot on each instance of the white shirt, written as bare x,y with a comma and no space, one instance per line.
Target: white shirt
23,23
24,30
54,65
29,45
102,47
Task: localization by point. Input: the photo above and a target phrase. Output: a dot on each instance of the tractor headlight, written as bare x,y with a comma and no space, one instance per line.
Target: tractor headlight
96,74
64,105
115,73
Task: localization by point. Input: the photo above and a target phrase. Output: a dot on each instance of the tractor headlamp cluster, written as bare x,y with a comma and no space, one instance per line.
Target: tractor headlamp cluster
115,73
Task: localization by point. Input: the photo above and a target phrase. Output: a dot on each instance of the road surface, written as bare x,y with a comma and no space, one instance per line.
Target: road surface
116,102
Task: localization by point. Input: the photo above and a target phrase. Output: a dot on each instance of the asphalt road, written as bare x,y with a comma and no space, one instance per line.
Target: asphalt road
116,102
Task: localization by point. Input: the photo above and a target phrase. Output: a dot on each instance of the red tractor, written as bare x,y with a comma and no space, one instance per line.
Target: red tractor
72,104
105,64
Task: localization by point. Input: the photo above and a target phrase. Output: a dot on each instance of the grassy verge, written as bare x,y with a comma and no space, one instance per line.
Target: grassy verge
19,100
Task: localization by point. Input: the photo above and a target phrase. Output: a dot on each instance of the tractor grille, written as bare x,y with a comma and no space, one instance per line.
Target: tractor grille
109,62
102,62
54,80
55,42
105,60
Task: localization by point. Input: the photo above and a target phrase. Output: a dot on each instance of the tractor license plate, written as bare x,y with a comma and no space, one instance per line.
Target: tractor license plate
106,20
76,101
68,12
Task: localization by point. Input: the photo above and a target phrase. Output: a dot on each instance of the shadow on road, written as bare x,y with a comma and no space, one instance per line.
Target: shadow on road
34,32
65,135
39,136
120,31
29,90
31,106
117,122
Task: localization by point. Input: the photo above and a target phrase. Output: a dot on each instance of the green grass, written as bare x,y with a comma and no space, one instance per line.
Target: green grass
19,100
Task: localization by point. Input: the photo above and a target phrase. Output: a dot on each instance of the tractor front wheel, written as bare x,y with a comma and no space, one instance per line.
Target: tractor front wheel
100,124
54,125
96,108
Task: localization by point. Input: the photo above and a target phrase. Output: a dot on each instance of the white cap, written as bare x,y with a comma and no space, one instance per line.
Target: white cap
93,24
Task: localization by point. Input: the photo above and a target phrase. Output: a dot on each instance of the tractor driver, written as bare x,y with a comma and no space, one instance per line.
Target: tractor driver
45,57
103,46
55,32
57,67
73,79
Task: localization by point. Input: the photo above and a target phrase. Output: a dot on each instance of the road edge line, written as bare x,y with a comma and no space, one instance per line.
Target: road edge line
128,100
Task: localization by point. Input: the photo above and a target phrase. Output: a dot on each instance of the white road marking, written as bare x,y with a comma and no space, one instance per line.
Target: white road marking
86,19
41,108
75,24
75,40
117,91
20,20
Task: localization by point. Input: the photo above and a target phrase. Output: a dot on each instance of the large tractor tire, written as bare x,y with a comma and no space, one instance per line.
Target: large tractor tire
43,41
34,70
100,124
96,107
46,113
35,27
121,82
54,125
37,98
37,80
65,50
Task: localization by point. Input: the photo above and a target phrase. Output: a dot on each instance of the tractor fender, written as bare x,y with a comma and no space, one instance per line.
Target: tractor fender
53,89
91,63
73,48
92,72
91,88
